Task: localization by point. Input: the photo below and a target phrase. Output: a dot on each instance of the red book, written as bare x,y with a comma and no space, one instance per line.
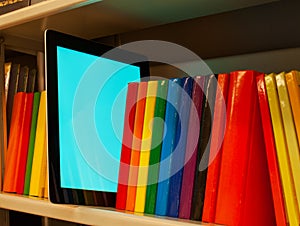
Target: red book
23,144
277,192
136,146
244,193
13,144
191,149
215,156
126,145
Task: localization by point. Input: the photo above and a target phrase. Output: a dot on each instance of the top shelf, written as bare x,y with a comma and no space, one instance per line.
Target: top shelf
94,18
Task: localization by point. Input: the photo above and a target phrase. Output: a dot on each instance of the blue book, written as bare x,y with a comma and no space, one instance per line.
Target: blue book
171,118
178,157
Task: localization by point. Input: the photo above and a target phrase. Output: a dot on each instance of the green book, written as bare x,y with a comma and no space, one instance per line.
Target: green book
35,110
157,137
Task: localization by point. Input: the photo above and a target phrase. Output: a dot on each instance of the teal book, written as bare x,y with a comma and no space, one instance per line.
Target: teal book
35,110
156,144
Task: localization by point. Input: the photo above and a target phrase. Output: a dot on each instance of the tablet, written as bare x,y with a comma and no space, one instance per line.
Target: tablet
86,84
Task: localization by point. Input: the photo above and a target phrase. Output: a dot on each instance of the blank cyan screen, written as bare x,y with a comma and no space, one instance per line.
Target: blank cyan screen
91,104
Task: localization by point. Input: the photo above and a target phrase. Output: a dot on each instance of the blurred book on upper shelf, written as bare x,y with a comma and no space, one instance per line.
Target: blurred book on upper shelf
11,5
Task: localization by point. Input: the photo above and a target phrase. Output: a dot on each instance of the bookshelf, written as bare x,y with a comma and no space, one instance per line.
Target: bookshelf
118,21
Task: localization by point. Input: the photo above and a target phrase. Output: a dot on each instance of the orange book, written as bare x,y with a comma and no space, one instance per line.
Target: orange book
126,145
244,191
136,146
215,157
9,184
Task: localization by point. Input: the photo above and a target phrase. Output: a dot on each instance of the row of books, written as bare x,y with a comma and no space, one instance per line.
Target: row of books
221,149
25,158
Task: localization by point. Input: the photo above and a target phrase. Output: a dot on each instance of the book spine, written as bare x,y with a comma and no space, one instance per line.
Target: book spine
171,117
293,85
13,144
290,132
145,147
178,155
126,145
156,143
215,156
203,148
274,173
24,141
35,110
136,146
38,171
191,148
281,149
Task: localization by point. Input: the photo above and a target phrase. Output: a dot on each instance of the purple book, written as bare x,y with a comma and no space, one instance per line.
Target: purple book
191,149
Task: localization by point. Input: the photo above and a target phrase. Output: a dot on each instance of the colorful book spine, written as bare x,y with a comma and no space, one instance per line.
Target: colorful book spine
282,152
126,145
203,147
35,110
274,173
191,148
215,155
23,145
136,146
244,192
145,147
38,171
293,84
178,155
13,144
156,143
171,117
290,132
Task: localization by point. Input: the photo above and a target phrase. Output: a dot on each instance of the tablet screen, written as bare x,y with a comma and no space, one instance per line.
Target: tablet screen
86,94
91,103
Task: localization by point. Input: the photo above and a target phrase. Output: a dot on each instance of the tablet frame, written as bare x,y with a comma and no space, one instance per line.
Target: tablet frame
57,194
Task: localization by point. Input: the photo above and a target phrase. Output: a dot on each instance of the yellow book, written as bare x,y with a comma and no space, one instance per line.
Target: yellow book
46,184
38,172
290,132
282,152
145,147
293,84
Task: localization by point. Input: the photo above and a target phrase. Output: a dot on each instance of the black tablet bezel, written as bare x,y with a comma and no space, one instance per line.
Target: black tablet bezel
57,194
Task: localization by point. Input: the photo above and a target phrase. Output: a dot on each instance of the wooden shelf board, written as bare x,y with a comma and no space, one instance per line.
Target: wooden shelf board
83,214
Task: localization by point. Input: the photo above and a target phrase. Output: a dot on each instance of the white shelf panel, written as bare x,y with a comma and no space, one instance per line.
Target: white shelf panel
84,215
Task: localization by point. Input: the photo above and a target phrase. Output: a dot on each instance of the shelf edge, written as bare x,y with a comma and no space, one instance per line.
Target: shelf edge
84,214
